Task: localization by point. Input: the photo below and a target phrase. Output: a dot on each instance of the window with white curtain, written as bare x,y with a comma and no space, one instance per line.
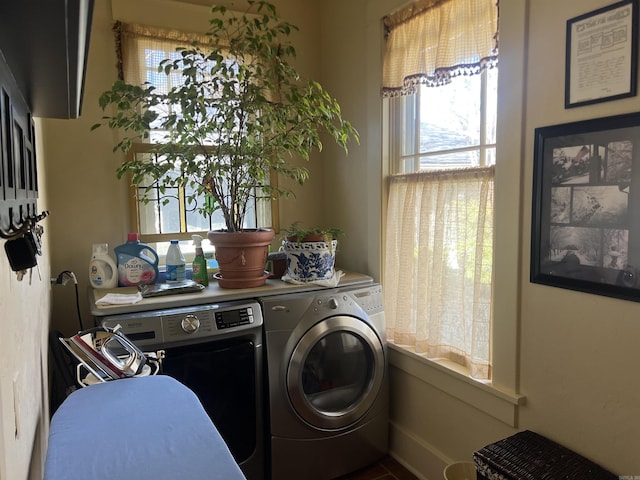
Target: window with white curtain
161,216
440,82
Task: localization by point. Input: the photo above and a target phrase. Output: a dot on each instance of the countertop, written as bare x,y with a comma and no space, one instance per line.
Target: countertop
212,294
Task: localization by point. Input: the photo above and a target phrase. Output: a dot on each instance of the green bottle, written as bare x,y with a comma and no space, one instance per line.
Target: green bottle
199,265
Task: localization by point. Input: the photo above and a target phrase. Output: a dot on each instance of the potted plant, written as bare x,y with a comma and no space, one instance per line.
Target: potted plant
310,253
297,233
245,112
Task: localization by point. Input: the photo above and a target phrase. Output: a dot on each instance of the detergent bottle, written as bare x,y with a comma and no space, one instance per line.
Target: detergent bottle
103,272
137,263
176,264
199,265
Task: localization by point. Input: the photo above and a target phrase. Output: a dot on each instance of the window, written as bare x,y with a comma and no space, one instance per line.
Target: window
439,227
448,126
162,215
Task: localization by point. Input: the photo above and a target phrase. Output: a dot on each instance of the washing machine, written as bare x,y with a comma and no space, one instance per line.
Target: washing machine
326,356
217,351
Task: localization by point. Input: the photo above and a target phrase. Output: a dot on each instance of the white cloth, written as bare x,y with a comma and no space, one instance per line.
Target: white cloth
119,299
329,282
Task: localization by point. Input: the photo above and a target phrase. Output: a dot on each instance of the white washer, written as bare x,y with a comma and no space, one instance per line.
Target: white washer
327,381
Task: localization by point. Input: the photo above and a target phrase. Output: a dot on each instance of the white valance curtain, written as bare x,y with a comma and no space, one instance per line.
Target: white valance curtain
438,265
137,48
434,40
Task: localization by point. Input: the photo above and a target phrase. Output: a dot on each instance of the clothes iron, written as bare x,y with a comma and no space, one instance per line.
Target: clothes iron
120,353
108,354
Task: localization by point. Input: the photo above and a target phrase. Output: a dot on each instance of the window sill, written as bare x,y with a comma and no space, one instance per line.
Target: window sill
453,380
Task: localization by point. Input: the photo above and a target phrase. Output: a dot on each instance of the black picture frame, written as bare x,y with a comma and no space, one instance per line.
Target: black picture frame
602,55
585,232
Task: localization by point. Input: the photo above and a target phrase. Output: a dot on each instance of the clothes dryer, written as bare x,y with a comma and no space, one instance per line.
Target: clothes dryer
327,381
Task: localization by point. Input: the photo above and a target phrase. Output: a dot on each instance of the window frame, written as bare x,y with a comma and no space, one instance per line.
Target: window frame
510,188
182,40
134,207
400,162
404,113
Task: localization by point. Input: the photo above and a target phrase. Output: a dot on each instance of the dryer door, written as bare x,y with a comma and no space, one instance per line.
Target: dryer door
336,372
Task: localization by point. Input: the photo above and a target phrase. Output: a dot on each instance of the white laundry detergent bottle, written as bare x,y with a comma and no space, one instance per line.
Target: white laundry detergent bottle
103,272
176,264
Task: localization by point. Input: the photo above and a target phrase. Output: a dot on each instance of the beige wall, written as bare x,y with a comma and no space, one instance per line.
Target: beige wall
579,354
352,186
24,322
88,203
87,200
572,355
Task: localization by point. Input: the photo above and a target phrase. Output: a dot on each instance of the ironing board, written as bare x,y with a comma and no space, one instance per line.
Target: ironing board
146,428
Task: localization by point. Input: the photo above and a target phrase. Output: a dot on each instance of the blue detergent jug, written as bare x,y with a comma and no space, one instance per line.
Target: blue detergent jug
137,263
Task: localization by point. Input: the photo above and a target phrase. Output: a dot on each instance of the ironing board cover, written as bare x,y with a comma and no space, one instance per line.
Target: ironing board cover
146,428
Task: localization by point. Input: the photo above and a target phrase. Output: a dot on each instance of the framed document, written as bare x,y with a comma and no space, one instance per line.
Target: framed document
601,55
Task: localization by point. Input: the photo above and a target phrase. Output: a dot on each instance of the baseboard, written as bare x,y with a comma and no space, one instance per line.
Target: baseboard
416,455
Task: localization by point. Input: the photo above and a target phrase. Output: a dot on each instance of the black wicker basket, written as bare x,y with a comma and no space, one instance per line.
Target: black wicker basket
530,456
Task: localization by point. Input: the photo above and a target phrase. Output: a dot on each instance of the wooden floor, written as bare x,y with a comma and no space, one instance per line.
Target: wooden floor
385,469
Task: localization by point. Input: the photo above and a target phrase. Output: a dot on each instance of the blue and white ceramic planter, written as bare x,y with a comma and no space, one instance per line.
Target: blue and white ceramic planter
310,261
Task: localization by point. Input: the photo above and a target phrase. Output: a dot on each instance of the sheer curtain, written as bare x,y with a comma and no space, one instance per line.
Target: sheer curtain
438,265
439,226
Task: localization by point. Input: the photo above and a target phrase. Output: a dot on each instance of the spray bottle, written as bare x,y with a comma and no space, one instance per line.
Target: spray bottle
199,265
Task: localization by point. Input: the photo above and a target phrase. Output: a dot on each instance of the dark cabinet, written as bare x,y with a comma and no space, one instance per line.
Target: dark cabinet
43,53
45,43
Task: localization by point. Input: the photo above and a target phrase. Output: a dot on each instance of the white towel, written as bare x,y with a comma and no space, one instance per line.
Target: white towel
119,299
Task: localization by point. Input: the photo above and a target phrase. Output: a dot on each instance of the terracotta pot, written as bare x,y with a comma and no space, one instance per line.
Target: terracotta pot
241,257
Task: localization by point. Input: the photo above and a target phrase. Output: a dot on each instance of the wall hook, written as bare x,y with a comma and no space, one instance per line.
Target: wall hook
25,225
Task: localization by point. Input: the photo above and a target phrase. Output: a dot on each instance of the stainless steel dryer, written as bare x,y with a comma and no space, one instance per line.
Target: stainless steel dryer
327,381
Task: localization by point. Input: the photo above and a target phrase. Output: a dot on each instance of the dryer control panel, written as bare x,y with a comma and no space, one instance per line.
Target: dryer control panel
370,298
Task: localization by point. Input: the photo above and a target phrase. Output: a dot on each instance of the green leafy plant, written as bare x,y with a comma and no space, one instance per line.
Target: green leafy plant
297,233
242,112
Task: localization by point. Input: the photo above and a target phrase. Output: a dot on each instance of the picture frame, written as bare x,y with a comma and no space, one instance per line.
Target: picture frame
602,54
586,185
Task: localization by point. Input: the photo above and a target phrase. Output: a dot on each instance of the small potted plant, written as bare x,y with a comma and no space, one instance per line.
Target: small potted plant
245,113
297,233
311,253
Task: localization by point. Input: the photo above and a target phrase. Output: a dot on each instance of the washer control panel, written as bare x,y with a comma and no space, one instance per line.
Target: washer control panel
190,323
234,317
160,328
